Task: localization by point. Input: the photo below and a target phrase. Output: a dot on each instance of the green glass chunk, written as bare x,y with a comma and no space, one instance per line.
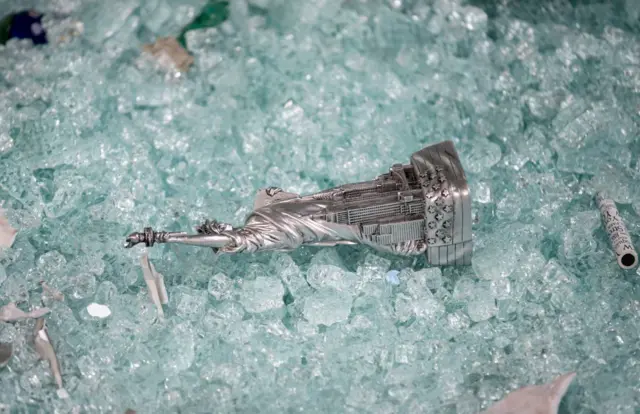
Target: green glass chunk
5,29
213,13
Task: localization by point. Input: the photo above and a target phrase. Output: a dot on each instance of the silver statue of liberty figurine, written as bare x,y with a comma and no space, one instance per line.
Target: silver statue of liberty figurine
415,208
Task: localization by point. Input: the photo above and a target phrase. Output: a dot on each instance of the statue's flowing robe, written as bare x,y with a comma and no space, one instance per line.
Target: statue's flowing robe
288,224
294,221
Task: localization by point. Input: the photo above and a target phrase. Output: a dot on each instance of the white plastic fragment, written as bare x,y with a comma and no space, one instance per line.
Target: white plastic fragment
45,350
162,290
7,233
98,311
621,243
534,399
155,284
11,313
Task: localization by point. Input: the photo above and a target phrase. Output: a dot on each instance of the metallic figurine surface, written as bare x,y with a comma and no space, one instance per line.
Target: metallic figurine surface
415,208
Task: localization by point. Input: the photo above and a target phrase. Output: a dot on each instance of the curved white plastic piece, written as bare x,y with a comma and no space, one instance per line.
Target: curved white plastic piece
534,399
44,348
155,283
7,233
626,254
11,313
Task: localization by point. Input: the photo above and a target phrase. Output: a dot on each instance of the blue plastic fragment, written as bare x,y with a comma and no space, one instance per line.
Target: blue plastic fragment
28,25
392,277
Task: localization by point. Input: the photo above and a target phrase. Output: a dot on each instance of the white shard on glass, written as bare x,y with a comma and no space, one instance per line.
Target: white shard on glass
45,350
155,283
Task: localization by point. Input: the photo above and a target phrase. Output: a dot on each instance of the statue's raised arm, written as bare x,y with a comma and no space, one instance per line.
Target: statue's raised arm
415,208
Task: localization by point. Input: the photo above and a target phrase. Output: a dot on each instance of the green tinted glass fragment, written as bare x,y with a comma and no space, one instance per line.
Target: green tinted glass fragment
213,13
5,29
